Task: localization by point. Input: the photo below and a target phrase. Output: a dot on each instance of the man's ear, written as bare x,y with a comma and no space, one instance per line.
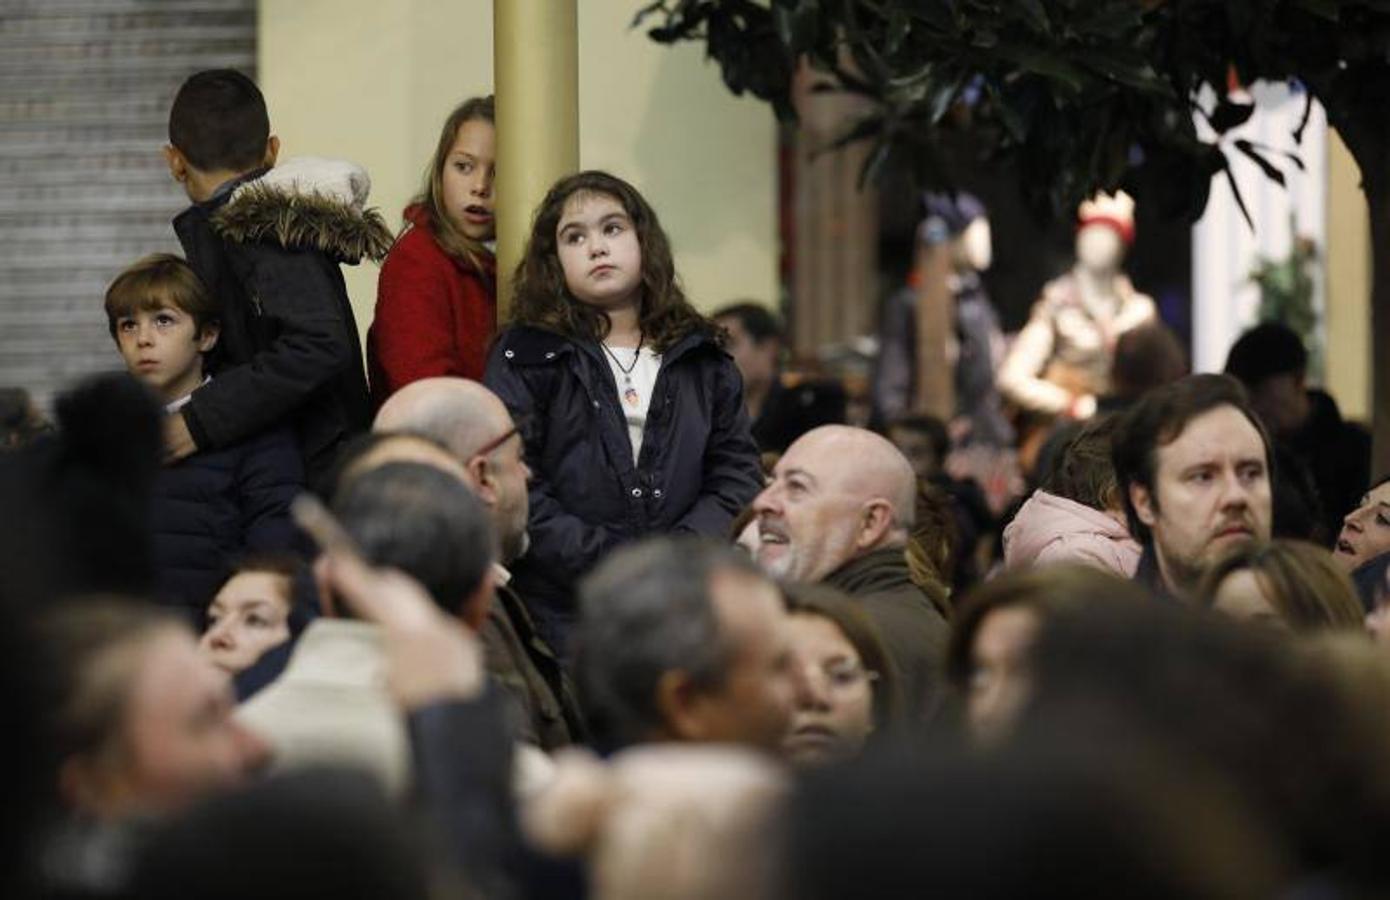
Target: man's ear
679,702
483,475
875,522
1144,506
174,159
208,339
272,150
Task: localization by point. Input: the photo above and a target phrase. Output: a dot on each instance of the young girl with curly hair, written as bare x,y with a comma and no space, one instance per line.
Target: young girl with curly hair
631,411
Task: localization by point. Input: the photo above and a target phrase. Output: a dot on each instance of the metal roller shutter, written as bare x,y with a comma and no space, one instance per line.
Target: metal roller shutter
85,88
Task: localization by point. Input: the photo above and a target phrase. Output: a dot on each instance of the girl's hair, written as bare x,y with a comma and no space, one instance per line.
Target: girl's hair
846,615
1304,585
542,299
431,197
1083,471
93,648
934,545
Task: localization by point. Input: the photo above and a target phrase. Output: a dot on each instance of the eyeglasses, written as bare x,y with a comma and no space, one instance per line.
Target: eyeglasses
486,449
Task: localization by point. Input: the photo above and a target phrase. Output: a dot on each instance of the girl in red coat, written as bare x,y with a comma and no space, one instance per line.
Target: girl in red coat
436,306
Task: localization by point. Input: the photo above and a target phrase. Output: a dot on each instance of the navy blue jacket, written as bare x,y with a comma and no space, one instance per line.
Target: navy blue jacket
214,507
698,466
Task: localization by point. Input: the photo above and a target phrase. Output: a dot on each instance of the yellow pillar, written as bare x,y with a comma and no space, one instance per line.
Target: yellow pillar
536,70
1348,250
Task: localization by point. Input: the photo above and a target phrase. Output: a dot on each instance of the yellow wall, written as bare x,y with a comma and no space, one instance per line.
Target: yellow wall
1348,285
661,118
372,81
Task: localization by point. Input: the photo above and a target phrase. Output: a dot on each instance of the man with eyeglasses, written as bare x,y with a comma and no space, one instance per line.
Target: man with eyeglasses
475,427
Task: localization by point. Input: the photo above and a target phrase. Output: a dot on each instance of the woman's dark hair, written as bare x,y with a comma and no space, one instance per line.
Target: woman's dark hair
847,615
303,599
542,299
431,197
1369,579
1046,590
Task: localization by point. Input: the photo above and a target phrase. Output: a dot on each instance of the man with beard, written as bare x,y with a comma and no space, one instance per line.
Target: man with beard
1193,462
475,427
839,510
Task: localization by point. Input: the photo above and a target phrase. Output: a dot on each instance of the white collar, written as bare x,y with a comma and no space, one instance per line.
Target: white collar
175,405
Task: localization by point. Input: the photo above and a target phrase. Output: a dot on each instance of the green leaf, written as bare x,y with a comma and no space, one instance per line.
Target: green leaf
1133,71
1042,63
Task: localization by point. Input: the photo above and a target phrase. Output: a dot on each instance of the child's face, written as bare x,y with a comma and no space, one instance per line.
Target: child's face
162,348
467,179
247,617
599,252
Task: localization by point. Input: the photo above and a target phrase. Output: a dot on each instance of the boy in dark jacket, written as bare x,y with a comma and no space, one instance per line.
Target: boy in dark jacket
268,243
212,507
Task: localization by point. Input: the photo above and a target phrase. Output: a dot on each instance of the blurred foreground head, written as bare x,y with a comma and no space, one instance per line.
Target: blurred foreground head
676,822
684,640
309,835
140,721
989,660
1042,818
1271,720
76,503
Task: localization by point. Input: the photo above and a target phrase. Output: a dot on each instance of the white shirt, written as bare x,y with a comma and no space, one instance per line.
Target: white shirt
635,383
176,405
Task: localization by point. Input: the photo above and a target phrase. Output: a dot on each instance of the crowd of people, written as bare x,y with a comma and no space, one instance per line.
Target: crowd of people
600,600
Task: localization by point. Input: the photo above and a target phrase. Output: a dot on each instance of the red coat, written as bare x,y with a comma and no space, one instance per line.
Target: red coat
435,315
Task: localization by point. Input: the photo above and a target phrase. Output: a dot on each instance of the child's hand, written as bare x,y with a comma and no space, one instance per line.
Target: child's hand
178,440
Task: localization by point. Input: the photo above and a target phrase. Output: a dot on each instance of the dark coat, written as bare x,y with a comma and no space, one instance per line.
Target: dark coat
698,468
289,350
914,632
543,703
214,507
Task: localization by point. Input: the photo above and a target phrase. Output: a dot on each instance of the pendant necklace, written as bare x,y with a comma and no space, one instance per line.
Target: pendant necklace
629,392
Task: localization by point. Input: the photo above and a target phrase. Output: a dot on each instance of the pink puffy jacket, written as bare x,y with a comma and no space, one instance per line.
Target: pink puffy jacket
1052,529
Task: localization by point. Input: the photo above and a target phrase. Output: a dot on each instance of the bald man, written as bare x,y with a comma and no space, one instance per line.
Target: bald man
473,425
839,510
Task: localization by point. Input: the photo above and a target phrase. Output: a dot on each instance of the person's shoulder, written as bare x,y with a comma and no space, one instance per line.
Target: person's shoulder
527,345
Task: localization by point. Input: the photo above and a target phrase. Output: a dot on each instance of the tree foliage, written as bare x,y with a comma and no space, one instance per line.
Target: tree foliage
1079,95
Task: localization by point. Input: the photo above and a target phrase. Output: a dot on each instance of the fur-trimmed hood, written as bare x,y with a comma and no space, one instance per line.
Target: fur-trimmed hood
307,203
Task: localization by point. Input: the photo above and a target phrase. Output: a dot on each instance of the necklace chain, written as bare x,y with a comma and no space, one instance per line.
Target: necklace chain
626,370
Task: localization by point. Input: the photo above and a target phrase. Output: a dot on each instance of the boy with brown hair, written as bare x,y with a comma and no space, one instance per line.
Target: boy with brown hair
211,507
